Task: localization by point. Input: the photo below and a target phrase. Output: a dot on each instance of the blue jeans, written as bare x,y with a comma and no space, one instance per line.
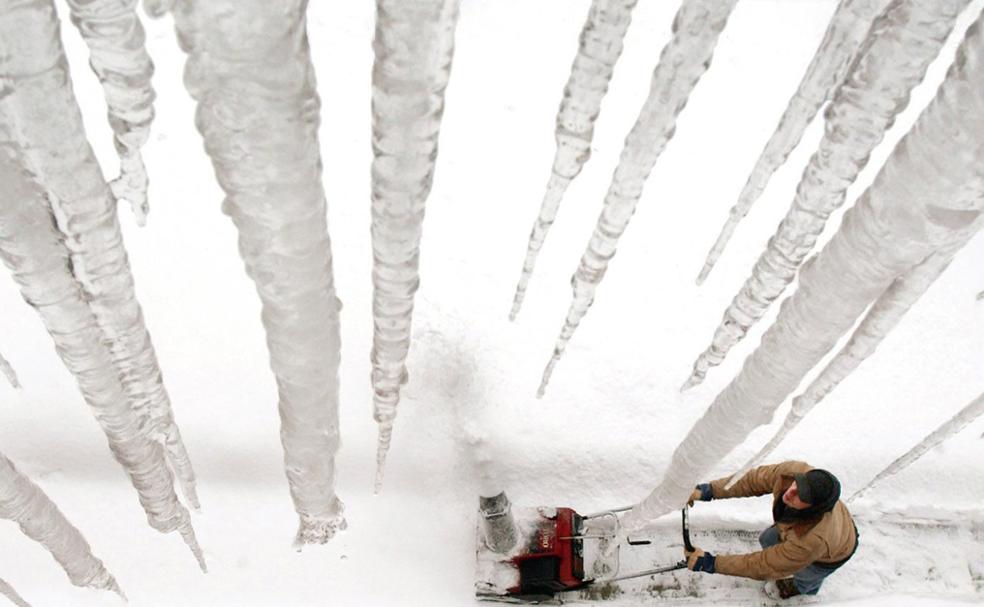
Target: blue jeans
807,580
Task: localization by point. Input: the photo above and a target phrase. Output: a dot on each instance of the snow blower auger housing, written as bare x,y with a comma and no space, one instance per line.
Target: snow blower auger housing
557,551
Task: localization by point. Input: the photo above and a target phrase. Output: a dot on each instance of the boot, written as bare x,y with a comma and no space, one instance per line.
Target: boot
787,588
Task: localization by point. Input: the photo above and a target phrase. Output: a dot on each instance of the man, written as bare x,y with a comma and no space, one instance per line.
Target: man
813,533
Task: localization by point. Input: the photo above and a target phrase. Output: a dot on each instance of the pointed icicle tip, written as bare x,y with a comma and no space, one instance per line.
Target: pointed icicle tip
8,371
188,535
104,580
694,380
115,589
704,272
377,482
517,302
382,449
547,373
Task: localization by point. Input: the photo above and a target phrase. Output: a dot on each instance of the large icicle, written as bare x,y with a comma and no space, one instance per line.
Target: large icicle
599,48
682,62
40,519
902,44
35,251
928,196
8,591
8,372
43,119
951,427
249,68
119,58
414,45
844,36
880,319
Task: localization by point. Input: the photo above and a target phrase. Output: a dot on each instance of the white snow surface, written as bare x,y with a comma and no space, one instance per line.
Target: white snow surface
604,433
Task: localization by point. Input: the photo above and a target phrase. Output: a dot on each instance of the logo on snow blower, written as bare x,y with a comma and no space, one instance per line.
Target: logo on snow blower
546,538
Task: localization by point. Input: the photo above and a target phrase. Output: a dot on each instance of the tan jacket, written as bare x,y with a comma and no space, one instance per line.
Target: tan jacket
826,539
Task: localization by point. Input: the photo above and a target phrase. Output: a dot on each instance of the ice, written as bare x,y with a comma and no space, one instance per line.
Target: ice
41,264
682,62
8,372
951,427
8,591
24,503
902,43
881,318
119,58
249,68
928,196
42,118
414,45
599,48
844,36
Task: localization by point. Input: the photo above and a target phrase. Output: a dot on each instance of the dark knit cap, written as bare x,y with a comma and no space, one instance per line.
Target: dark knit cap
818,487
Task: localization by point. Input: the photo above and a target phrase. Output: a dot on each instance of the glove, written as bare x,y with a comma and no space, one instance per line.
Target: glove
702,492
698,560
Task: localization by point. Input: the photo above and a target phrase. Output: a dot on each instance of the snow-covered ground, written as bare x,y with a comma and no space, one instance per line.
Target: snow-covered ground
612,415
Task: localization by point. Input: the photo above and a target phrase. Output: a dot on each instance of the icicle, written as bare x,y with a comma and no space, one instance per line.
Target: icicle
599,48
36,254
43,118
902,44
119,58
27,505
847,30
8,591
881,318
8,372
928,196
683,61
249,68
954,425
414,45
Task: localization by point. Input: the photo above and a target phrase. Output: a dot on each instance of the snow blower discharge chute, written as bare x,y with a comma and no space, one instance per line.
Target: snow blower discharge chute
533,554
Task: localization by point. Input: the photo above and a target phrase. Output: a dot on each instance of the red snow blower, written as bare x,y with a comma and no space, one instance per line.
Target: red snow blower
557,551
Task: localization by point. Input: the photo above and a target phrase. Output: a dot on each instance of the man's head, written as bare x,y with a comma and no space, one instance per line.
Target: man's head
816,488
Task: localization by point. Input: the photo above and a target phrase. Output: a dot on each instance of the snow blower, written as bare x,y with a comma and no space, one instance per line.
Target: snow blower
550,551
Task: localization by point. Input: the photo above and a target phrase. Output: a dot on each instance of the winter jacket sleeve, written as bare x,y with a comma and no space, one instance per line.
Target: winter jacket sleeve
773,563
758,481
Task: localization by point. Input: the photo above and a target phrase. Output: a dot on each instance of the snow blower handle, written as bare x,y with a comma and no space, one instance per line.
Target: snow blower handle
686,529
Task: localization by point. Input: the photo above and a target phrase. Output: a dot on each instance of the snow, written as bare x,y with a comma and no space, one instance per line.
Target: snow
601,437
